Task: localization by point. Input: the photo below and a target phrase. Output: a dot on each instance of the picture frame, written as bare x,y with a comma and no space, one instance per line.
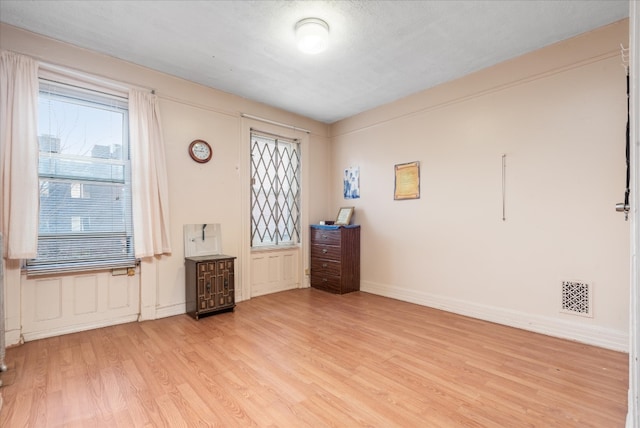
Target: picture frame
344,216
351,182
407,181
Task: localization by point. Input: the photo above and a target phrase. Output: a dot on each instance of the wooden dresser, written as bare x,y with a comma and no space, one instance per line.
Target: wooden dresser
335,258
209,284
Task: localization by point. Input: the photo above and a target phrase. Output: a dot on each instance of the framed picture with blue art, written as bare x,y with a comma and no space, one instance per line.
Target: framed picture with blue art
351,181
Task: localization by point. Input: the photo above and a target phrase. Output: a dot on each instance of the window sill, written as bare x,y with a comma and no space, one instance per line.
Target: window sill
274,248
76,269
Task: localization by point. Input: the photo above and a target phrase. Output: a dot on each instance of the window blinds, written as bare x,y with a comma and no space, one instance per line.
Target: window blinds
84,171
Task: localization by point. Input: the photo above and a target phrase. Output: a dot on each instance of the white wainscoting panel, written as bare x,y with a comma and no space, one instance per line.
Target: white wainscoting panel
118,295
59,305
85,293
47,300
274,270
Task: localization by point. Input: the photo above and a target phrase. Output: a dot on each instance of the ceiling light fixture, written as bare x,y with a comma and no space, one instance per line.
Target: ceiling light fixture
312,35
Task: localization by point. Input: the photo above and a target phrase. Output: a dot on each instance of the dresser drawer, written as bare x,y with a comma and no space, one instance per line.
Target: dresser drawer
331,284
325,252
324,236
325,267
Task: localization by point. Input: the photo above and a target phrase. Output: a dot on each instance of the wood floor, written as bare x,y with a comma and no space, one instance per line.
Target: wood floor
306,358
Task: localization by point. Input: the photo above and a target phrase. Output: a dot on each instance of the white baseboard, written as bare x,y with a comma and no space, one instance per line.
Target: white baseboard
170,311
270,289
592,335
35,335
12,337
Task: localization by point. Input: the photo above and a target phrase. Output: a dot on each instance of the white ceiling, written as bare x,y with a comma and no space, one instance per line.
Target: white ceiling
379,51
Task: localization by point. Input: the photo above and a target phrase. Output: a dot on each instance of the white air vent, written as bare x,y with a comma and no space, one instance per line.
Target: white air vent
576,298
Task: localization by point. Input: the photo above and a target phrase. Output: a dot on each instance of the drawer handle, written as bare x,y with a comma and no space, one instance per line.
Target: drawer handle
324,265
324,280
324,251
324,236
209,287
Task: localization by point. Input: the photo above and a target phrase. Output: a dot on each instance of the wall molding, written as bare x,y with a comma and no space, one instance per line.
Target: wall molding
597,45
12,337
481,92
633,402
591,335
270,289
52,332
171,310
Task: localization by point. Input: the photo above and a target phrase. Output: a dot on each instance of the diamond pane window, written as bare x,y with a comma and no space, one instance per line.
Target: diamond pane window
275,190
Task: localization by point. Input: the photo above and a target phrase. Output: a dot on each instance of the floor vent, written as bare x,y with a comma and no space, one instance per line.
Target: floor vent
576,298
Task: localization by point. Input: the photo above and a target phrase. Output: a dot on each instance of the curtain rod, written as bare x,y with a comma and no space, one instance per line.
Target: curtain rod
93,78
273,122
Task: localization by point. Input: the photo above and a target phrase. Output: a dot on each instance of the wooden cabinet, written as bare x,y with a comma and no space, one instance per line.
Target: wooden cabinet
209,284
335,258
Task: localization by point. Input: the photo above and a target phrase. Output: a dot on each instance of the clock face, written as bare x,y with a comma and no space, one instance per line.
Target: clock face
200,151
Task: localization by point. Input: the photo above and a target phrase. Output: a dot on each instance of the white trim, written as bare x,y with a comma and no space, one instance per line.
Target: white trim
171,310
247,122
256,292
273,122
597,336
633,404
244,287
12,337
148,288
275,248
59,72
52,332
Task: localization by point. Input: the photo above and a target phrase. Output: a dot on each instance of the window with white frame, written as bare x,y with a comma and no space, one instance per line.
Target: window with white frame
85,219
275,190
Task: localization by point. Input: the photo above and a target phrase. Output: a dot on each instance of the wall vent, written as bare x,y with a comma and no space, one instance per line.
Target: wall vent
576,298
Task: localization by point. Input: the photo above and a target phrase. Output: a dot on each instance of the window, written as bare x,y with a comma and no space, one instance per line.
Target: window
275,190
85,187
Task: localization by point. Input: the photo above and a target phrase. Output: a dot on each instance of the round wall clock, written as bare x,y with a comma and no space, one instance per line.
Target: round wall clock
200,151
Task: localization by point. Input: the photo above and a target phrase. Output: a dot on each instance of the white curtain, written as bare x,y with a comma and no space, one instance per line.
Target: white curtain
150,192
20,197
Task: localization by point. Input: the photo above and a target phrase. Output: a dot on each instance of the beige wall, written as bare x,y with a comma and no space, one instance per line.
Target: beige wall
559,115
210,193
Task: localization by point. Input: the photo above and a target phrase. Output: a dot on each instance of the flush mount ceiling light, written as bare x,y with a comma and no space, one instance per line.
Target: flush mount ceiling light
312,35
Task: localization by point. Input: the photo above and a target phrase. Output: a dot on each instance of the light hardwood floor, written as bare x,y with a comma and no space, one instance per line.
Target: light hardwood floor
308,358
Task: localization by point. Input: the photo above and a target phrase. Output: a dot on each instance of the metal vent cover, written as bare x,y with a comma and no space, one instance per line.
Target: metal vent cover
577,298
